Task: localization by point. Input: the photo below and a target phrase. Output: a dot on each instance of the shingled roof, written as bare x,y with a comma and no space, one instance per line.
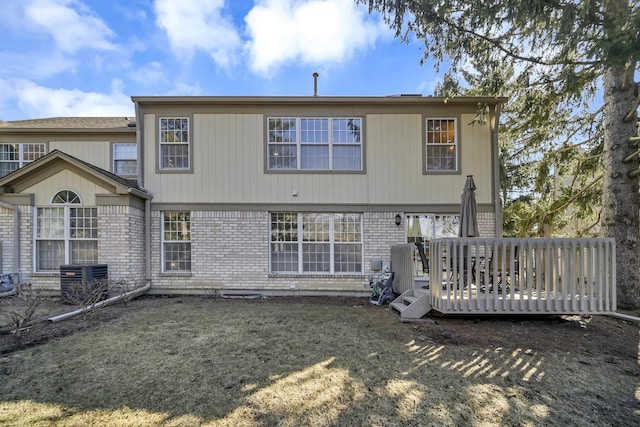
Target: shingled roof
57,155
122,123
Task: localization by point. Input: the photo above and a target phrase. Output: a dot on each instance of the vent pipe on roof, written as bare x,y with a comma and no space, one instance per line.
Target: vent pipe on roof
315,84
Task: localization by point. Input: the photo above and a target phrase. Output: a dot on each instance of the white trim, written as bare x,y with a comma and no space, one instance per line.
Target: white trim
455,145
168,143
330,143
331,242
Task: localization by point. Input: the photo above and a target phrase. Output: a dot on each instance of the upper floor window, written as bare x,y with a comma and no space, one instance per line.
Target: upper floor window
296,143
441,145
175,143
125,159
14,156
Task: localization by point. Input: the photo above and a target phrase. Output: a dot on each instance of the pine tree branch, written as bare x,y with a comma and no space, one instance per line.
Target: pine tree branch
595,223
630,156
498,45
633,113
575,196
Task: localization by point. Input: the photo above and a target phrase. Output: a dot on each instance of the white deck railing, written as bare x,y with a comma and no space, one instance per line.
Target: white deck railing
511,275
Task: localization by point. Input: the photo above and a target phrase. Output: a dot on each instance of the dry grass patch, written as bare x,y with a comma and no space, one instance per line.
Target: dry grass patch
239,363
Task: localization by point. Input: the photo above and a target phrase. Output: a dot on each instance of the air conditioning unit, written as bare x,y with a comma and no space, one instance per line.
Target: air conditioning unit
83,283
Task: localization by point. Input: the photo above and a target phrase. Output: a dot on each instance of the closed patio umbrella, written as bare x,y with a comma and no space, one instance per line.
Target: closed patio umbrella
469,210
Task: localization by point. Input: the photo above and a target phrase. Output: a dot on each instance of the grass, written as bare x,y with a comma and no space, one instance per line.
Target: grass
238,363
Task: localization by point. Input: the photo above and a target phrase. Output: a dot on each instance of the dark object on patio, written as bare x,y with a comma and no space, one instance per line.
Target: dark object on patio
503,273
6,283
423,257
382,289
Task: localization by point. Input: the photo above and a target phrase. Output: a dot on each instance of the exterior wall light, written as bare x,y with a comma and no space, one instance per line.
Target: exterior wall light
398,219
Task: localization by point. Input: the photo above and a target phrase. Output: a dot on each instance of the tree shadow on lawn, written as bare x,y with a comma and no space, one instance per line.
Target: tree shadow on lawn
238,363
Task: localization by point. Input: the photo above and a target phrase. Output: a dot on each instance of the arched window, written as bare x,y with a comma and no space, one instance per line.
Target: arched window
66,233
66,197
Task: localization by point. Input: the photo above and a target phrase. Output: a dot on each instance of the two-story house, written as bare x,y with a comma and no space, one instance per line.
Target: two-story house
275,195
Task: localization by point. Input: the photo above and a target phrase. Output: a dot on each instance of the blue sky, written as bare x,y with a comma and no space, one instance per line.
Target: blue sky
88,57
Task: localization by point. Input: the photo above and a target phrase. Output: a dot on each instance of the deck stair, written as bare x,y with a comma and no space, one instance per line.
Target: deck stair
412,304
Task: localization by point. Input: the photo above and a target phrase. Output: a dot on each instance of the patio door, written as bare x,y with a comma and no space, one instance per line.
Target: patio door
421,229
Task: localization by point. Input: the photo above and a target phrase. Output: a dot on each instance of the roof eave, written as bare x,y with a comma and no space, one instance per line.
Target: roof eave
9,129
313,100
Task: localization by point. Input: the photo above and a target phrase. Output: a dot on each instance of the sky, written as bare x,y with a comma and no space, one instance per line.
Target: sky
88,57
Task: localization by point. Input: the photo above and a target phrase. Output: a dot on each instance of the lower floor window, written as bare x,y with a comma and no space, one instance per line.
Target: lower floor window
65,235
176,241
316,243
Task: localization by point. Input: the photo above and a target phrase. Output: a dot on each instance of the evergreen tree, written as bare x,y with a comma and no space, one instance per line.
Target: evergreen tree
569,68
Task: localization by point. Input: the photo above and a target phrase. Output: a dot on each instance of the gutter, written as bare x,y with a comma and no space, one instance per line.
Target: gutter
622,316
16,235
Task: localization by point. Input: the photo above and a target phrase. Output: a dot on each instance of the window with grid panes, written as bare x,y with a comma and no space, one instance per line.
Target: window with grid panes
174,143
318,243
441,145
14,156
65,233
176,241
314,143
125,161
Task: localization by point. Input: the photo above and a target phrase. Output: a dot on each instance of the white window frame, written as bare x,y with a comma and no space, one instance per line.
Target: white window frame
455,146
185,239
167,144
65,201
21,148
280,240
298,141
118,158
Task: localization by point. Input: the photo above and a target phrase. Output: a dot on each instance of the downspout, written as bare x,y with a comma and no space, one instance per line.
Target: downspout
147,202
124,297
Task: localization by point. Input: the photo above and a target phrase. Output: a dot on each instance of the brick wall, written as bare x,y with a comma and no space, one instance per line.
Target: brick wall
6,239
230,253
121,245
487,224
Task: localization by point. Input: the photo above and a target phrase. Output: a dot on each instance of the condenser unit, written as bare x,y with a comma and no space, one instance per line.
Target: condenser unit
83,283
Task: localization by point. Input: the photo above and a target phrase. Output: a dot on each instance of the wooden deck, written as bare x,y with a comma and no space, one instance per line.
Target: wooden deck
510,276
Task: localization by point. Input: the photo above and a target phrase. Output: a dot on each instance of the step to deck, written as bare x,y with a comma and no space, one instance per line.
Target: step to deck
412,304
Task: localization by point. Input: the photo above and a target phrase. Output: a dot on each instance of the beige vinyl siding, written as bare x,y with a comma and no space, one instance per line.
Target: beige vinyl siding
229,165
476,154
65,180
98,153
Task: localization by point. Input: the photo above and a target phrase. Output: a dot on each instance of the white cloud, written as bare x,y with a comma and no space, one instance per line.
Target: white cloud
35,65
149,74
69,23
198,25
40,101
312,32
